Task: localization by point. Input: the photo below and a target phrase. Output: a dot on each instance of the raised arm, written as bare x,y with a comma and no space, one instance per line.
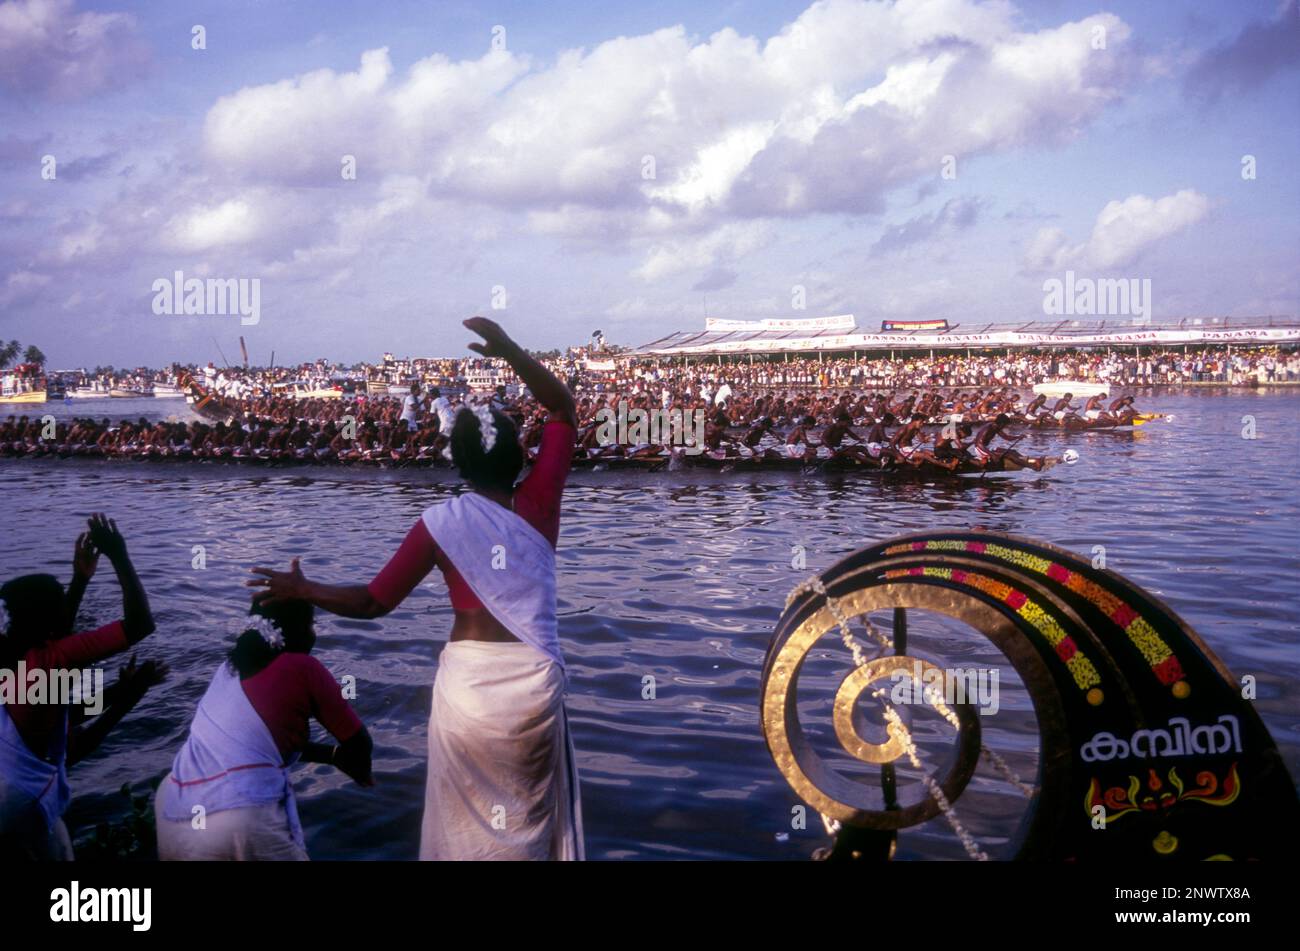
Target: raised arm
345,600
84,560
416,557
137,619
541,382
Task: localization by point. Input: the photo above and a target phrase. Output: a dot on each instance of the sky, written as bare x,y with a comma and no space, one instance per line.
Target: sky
383,171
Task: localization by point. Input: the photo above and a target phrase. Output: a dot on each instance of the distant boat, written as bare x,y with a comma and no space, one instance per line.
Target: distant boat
167,391
1081,388
23,386
484,381
306,390
127,393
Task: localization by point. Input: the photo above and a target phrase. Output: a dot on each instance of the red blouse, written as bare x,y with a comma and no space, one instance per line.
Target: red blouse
537,501
39,724
293,689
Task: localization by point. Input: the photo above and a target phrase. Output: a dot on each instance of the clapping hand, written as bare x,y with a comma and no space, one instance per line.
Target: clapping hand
105,536
85,557
138,680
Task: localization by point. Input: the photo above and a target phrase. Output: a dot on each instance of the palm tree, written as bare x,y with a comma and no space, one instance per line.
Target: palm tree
8,353
34,355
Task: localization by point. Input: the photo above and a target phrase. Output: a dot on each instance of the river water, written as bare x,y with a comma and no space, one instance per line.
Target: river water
678,577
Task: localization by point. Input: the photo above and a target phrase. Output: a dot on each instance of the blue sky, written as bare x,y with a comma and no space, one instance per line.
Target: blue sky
794,145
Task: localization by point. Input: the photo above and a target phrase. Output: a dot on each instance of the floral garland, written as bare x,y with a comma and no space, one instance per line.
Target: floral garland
487,426
267,628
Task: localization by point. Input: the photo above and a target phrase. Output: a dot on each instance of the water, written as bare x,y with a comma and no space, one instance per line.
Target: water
677,576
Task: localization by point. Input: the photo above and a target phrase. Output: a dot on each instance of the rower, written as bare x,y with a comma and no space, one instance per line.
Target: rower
799,444
715,432
877,439
1122,409
986,455
950,447
907,445
1064,408
833,438
750,441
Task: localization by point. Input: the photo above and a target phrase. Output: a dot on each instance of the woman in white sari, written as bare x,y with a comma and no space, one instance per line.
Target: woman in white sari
502,780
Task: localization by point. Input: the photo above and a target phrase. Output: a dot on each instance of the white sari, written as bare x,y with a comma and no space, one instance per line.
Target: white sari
503,782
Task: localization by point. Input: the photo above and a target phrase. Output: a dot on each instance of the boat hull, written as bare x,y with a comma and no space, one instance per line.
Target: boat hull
1079,388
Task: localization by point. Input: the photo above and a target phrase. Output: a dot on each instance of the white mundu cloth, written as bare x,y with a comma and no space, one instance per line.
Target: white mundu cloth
230,772
503,780
34,794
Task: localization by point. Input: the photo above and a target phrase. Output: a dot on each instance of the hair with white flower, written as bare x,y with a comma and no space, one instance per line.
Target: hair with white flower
268,629
487,426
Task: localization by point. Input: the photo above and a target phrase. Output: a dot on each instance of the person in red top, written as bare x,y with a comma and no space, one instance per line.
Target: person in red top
502,782
37,740
252,725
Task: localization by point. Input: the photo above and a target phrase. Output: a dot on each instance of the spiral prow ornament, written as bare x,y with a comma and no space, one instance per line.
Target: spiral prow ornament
1146,747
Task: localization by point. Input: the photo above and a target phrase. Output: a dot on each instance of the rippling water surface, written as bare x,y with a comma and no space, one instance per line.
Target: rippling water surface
676,576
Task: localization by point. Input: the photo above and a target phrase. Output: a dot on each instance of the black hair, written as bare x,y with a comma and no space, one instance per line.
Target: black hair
293,619
494,469
35,607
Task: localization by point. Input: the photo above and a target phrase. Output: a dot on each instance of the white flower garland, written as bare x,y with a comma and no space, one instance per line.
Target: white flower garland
267,628
487,427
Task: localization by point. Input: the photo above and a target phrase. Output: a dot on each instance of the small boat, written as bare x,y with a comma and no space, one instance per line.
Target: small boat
306,390
23,386
126,393
167,391
484,381
1081,388
14,395
1076,424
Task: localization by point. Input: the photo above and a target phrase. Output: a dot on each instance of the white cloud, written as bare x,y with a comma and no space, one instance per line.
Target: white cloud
728,243
49,49
20,285
298,130
1123,231
213,226
850,100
